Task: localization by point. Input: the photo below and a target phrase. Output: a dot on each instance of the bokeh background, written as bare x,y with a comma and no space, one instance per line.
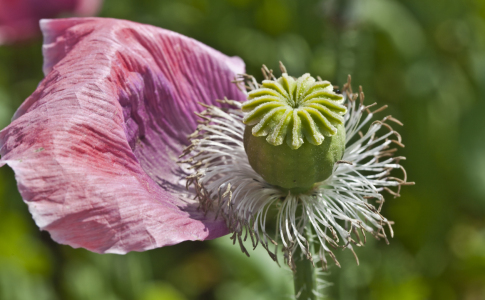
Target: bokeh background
424,58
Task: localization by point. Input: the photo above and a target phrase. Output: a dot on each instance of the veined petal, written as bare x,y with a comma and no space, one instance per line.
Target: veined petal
19,19
94,148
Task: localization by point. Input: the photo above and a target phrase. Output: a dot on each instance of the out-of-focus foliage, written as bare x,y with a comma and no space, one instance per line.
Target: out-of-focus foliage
424,58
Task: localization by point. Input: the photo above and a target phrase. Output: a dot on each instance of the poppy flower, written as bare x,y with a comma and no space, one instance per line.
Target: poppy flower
94,148
109,155
302,152
19,19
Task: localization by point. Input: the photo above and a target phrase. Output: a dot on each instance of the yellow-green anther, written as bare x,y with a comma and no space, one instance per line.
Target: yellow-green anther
296,110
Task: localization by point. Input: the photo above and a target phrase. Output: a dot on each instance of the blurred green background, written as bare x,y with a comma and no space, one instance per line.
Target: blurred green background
424,58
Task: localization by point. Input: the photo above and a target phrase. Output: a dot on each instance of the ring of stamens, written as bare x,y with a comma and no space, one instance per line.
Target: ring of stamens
339,210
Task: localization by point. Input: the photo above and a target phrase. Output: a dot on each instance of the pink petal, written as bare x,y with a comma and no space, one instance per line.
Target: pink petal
94,148
87,8
19,19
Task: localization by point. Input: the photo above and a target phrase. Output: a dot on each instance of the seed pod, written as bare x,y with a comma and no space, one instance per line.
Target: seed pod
304,114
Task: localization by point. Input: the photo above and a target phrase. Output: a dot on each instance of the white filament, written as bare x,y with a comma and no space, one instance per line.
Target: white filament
337,211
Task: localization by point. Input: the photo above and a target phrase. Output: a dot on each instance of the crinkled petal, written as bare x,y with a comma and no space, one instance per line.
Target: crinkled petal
19,19
94,147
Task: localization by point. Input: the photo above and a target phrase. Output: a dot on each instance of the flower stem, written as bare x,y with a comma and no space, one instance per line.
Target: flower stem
304,277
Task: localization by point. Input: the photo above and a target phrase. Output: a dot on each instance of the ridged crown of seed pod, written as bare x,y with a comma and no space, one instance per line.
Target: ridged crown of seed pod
294,109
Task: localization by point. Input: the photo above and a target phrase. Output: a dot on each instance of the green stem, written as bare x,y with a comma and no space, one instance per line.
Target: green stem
304,277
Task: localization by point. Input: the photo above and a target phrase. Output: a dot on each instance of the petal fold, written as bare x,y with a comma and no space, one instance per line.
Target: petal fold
94,148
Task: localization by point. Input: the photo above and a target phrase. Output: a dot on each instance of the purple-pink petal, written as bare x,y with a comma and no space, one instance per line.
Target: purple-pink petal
19,19
94,148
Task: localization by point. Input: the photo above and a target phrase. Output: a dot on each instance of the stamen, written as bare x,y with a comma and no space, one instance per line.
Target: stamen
338,210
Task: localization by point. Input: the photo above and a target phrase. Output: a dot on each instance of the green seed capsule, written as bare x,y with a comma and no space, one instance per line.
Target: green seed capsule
295,170
305,113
